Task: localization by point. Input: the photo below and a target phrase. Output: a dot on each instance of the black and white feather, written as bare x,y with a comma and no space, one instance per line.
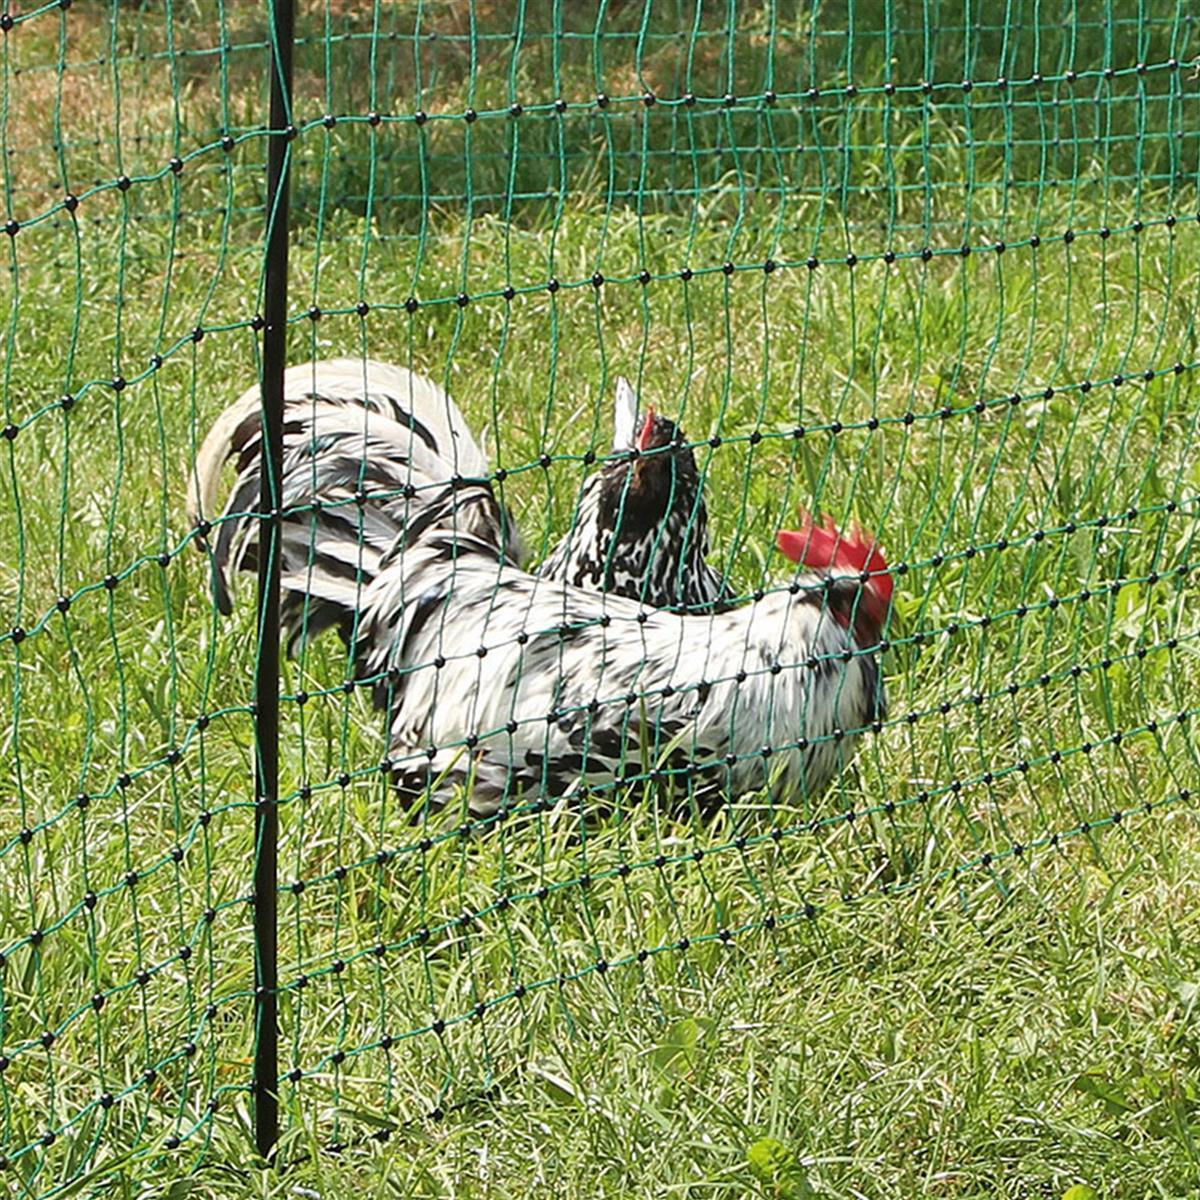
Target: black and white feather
359,438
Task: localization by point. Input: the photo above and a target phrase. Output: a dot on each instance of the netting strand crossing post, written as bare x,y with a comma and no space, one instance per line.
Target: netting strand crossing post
266,1054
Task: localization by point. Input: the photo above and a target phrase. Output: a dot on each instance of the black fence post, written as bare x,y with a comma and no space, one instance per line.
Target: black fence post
266,683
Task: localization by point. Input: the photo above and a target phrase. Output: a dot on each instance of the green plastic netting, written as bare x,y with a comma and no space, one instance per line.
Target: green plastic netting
932,266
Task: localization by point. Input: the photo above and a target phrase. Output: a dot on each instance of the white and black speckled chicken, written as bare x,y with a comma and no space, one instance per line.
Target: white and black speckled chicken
641,524
512,687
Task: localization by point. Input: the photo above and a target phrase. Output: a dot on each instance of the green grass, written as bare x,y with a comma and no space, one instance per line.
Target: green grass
906,1004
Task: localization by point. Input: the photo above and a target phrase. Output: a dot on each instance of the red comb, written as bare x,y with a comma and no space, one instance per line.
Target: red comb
825,547
646,435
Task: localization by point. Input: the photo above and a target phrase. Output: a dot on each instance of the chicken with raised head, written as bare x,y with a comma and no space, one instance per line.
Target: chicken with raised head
641,525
